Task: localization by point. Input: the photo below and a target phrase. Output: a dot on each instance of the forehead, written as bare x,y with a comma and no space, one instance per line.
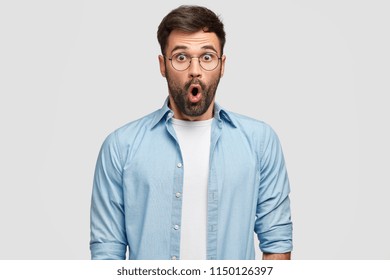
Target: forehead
192,40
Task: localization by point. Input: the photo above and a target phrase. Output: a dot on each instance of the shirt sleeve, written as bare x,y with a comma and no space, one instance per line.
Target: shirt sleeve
108,234
273,217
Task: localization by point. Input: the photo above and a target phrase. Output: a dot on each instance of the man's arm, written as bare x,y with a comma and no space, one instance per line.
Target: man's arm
108,234
284,256
273,224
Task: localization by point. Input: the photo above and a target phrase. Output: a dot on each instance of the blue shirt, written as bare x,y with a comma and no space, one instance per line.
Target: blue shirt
138,183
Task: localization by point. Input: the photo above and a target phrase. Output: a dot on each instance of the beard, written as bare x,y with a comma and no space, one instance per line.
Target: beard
186,107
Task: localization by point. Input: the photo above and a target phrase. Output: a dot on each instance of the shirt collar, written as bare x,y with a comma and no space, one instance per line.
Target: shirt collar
220,114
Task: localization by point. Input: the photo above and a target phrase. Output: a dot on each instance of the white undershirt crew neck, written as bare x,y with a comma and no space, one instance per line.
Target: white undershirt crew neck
194,140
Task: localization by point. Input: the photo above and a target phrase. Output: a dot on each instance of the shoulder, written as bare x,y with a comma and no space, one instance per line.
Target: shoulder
127,133
251,126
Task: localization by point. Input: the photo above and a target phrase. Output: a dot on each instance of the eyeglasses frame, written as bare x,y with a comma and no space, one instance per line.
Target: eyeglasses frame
189,65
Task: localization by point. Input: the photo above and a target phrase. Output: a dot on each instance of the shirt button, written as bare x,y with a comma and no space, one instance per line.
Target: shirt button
173,258
176,227
178,195
179,165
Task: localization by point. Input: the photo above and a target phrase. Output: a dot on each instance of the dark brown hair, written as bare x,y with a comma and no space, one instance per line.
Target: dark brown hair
190,19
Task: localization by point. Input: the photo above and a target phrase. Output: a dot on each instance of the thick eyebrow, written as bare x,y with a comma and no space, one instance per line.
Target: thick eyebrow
207,47
179,48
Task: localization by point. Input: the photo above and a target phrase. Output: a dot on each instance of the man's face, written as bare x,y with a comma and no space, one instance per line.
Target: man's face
192,91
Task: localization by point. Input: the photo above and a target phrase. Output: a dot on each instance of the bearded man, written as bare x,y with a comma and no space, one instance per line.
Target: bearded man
191,180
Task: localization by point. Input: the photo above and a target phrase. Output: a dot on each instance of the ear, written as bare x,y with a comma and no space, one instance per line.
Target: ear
223,58
162,65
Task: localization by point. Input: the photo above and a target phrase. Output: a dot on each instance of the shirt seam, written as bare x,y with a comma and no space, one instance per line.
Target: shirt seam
116,143
261,150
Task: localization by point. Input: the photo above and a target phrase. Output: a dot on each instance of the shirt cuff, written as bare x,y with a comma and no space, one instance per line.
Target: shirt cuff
108,251
277,240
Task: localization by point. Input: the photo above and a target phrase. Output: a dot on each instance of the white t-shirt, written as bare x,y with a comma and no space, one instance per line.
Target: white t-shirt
194,140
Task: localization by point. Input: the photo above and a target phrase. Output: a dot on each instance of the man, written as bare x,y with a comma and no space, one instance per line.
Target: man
191,180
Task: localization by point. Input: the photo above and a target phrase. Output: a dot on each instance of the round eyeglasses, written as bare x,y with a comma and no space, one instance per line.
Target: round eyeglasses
182,61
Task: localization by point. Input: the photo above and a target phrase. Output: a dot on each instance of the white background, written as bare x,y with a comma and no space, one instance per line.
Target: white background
317,71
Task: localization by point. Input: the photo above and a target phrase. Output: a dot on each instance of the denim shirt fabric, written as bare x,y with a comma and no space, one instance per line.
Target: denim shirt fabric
138,189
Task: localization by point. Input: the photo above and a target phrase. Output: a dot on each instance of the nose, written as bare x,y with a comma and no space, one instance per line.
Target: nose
195,71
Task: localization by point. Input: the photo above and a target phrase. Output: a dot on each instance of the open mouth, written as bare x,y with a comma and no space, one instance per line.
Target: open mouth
194,91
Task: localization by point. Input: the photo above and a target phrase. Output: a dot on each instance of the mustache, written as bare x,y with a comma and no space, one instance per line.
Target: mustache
195,82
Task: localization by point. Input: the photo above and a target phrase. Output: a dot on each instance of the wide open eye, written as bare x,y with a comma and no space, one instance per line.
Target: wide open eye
208,57
180,57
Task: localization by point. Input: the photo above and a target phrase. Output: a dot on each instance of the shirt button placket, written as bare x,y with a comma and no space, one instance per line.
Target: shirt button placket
176,213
